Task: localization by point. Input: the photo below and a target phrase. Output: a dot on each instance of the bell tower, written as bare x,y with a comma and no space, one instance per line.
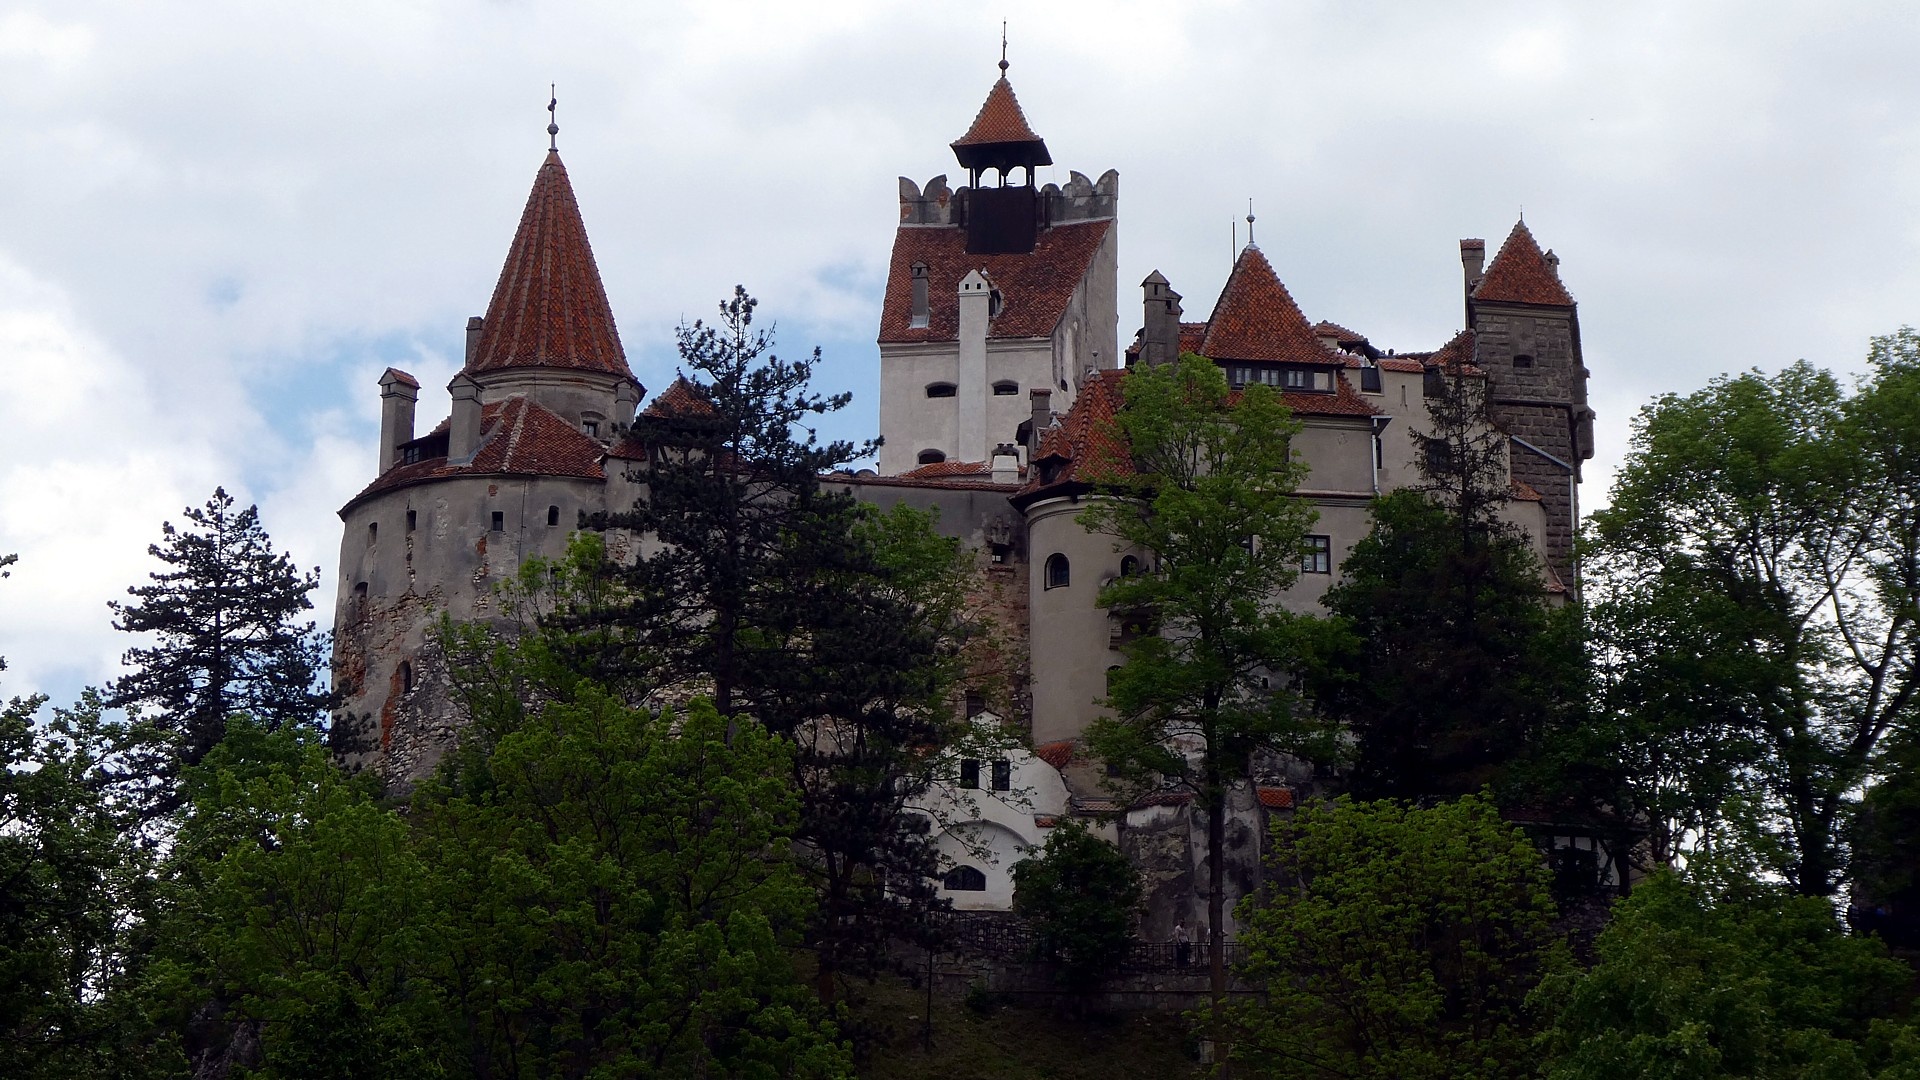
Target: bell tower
1003,219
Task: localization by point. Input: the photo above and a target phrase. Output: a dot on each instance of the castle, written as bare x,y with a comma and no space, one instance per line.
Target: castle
999,368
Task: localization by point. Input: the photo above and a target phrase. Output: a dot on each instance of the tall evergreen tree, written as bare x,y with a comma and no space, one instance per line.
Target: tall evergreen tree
224,615
830,625
1456,665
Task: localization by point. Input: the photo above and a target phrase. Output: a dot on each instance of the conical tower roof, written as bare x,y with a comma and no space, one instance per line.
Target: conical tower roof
1256,318
550,309
1521,274
1000,135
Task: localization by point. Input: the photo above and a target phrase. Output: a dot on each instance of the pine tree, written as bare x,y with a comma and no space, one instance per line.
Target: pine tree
223,615
789,603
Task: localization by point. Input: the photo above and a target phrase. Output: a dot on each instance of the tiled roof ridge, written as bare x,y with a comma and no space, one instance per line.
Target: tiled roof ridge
518,437
549,307
1037,287
681,398
1520,273
1256,318
1000,119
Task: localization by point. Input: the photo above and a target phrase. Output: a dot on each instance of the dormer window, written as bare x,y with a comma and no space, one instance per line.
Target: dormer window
996,303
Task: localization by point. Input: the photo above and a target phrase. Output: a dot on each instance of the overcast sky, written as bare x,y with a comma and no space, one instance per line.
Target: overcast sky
222,220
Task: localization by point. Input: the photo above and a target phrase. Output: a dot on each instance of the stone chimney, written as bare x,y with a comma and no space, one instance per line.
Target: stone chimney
922,313
970,427
474,326
1473,261
463,430
398,393
626,398
1006,464
1041,398
1160,343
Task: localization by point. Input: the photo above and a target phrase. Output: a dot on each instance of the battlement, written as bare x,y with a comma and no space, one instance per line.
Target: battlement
1079,199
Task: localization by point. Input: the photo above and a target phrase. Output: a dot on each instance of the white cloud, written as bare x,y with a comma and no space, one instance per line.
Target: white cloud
30,35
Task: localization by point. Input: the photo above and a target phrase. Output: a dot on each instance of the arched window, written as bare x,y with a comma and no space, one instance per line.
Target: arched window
964,879
1129,565
406,677
941,389
1005,388
930,457
1058,573
553,515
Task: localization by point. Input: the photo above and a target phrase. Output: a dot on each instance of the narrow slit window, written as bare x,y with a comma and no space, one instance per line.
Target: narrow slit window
406,677
413,519
373,531
553,515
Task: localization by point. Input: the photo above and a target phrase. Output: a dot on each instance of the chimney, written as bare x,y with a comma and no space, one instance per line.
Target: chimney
1473,260
1553,264
626,398
398,393
1160,343
970,402
463,430
922,314
1006,464
474,326
1041,398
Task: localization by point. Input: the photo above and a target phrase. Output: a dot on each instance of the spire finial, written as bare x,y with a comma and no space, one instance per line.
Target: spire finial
1249,219
553,120
1003,47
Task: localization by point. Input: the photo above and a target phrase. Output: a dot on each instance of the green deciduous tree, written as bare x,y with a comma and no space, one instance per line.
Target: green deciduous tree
224,615
1397,942
1082,896
1755,584
1695,983
1210,497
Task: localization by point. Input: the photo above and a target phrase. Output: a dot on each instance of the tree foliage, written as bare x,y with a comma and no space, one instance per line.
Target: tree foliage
1455,669
224,618
1755,584
836,628
1082,895
1397,942
1751,981
1210,499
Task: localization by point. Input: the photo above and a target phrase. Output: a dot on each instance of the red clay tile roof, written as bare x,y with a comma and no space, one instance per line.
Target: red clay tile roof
1408,363
681,399
517,438
1256,319
1339,333
1276,798
1524,491
1035,288
1056,754
949,468
1000,119
1520,274
1456,355
549,308
1086,444
400,377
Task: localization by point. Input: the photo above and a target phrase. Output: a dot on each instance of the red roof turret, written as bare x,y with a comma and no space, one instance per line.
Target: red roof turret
1256,319
1522,274
550,309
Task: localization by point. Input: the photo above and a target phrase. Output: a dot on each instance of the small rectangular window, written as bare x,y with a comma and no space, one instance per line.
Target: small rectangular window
499,521
413,518
553,515
1318,556
1370,379
1003,776
969,773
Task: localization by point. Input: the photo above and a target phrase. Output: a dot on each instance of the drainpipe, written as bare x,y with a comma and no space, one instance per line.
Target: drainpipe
1379,424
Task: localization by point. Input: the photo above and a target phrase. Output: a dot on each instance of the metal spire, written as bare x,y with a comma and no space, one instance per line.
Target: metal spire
553,120
1249,219
1003,47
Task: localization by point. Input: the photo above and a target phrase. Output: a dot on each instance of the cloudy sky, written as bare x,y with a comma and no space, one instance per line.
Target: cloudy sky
222,220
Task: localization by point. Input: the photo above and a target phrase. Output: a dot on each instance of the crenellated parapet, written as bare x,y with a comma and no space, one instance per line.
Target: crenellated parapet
1079,199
